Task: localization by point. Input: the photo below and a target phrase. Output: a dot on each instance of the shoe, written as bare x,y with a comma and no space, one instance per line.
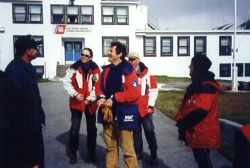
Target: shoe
139,156
73,158
154,159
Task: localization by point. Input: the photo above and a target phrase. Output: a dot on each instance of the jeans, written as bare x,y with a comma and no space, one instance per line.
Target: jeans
202,157
112,137
76,117
148,126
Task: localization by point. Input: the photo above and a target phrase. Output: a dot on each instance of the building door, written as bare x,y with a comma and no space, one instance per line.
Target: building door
73,51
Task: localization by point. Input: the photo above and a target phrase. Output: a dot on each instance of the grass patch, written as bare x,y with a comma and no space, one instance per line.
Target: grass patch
172,79
43,80
232,106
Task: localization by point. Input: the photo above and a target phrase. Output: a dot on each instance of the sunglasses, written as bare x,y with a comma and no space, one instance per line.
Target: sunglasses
85,55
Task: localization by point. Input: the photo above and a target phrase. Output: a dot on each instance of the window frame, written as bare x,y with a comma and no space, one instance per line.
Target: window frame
154,46
230,45
245,70
92,16
230,69
187,47
171,46
39,75
115,39
13,13
240,68
29,14
67,15
204,46
64,17
115,16
15,37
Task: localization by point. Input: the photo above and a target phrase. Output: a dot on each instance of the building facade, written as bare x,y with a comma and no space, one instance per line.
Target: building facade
68,26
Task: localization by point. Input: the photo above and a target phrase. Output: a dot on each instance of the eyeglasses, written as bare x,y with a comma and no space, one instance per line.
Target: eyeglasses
85,55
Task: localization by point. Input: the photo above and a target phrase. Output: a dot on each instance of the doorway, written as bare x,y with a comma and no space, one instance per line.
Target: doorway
73,51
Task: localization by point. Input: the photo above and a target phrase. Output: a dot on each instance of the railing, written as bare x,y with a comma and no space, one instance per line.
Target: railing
228,129
153,23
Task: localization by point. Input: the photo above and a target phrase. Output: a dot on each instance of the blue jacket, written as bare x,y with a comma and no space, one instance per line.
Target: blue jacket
24,77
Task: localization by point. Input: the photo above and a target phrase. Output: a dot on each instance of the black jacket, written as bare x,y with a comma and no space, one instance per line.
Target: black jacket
15,132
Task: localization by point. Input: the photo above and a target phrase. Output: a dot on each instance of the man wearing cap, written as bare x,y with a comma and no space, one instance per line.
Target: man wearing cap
149,93
21,72
198,115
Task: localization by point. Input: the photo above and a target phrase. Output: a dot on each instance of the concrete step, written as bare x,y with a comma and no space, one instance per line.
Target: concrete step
61,69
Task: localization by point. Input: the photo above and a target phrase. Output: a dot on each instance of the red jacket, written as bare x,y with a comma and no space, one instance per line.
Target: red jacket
205,134
127,98
149,90
246,131
76,82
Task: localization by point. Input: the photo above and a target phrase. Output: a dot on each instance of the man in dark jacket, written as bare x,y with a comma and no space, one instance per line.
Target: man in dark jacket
22,74
14,127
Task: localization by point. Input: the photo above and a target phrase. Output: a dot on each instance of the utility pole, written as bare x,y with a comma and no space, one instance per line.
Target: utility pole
234,73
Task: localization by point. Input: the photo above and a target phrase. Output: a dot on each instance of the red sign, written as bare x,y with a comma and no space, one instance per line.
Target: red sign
60,29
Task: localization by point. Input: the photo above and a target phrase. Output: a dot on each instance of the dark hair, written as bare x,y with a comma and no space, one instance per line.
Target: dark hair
120,48
90,51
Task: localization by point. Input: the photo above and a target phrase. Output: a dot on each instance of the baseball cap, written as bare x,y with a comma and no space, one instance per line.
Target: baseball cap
133,55
26,42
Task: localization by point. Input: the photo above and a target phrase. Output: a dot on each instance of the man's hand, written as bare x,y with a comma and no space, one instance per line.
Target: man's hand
79,97
109,103
101,102
150,109
36,166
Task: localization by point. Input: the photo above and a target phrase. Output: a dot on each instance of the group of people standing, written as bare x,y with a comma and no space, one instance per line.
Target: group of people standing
123,96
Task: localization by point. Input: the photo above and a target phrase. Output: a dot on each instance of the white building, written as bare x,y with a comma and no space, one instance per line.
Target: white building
67,26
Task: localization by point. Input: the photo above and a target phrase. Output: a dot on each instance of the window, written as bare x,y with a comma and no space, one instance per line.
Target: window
39,71
107,40
72,14
150,46
240,69
27,13
225,70
87,14
166,46
57,13
35,13
114,15
200,46
247,69
36,38
183,46
225,45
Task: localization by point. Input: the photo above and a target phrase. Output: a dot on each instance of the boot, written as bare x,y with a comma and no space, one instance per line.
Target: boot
73,158
154,159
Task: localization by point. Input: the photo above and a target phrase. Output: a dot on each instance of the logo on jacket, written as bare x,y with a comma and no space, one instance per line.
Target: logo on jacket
135,83
128,118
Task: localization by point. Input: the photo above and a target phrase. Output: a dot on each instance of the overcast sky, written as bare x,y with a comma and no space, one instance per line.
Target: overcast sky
196,14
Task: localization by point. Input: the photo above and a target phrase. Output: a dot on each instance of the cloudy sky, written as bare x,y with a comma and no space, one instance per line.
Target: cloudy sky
196,14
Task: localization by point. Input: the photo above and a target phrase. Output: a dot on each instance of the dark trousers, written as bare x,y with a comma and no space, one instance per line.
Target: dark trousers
202,157
38,148
76,117
149,129
242,147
